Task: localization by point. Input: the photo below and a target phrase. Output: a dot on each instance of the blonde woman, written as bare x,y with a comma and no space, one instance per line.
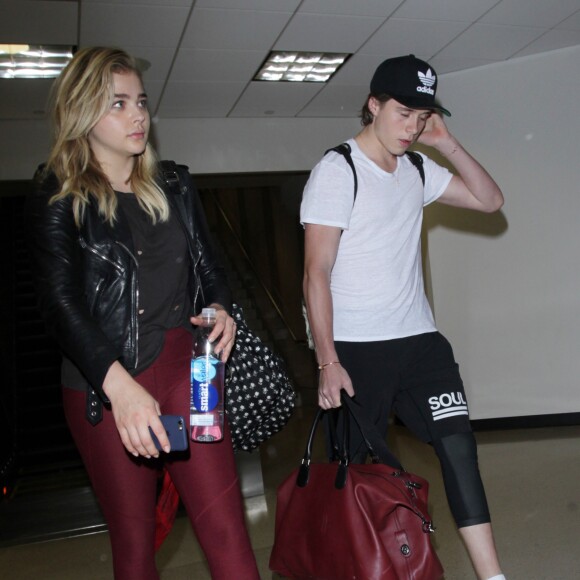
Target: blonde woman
119,262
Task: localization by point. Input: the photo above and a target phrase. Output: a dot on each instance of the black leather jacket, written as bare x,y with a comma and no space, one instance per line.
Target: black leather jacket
86,278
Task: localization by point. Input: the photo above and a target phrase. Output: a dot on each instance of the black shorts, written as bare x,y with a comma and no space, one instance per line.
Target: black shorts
415,377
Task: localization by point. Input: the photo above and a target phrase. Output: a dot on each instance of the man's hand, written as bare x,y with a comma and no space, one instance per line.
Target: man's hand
437,135
333,378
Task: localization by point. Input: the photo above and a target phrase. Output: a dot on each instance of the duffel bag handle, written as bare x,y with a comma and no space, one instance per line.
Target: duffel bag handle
376,445
304,471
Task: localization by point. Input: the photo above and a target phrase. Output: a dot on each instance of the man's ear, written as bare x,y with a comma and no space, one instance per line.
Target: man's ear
374,105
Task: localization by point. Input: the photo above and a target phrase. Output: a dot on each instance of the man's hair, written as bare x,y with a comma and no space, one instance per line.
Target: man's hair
81,96
366,117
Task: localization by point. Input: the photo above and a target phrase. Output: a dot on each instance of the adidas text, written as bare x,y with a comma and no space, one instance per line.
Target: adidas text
425,90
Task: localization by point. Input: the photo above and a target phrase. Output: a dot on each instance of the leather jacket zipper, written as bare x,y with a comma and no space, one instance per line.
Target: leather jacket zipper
84,245
135,288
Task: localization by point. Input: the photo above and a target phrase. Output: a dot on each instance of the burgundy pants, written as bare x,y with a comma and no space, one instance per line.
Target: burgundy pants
125,486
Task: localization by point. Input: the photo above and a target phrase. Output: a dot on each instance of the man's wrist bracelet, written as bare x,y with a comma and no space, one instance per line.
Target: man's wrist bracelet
324,365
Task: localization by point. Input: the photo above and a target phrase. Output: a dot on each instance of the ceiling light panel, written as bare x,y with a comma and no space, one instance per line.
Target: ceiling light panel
312,67
24,61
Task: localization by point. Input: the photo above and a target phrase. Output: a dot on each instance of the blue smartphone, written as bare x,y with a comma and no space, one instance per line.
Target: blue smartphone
176,432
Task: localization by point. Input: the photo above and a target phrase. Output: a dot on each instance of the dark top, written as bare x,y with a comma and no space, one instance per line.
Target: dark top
163,270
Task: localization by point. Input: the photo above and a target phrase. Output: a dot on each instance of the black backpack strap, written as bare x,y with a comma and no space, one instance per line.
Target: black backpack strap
417,161
170,176
345,150
174,178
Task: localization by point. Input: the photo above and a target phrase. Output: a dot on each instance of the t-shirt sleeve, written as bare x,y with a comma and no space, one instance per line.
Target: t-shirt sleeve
329,193
437,179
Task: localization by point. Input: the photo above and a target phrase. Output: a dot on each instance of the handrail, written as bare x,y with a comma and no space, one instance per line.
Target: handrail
249,261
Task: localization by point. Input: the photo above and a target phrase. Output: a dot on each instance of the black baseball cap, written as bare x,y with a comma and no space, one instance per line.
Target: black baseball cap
409,80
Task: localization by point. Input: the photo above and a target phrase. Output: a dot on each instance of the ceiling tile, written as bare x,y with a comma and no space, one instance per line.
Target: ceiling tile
336,101
263,99
451,64
357,70
541,14
463,10
490,41
233,29
41,22
216,65
186,3
382,8
571,23
151,26
199,99
324,32
156,60
154,90
268,5
424,38
552,40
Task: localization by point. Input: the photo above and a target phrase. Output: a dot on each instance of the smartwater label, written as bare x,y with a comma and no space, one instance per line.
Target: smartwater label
204,394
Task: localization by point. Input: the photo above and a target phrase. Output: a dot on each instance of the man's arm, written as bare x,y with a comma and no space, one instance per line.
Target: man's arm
473,188
320,250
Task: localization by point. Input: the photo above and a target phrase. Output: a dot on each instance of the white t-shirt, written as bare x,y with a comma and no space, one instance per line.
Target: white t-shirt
377,281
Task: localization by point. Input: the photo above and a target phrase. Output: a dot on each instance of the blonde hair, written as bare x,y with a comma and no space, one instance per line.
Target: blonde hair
82,95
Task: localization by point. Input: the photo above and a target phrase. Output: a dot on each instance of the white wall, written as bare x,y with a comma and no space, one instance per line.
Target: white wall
205,145
506,287
248,145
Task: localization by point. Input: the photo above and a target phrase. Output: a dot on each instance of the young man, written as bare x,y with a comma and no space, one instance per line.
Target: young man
372,325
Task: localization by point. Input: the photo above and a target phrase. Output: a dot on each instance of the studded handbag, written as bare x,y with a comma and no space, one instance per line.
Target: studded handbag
259,394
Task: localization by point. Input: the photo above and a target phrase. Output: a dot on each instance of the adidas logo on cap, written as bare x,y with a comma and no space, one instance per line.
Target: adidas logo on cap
428,80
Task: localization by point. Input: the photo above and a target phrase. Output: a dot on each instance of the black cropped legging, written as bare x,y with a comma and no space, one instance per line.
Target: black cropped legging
205,477
410,376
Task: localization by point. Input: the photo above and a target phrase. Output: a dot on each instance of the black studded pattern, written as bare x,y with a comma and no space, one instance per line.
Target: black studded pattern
260,397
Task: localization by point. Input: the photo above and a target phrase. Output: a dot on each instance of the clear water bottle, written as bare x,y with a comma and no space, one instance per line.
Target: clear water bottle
207,384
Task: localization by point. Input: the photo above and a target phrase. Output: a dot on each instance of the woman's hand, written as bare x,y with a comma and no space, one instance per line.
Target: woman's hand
134,411
224,329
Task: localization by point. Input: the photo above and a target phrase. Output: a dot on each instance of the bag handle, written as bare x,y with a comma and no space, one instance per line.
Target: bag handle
304,470
376,445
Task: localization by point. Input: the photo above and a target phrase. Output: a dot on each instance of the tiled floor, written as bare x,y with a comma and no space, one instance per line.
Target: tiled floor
532,479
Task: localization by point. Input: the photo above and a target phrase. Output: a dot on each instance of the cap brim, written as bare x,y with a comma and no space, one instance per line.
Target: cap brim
417,103
442,110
